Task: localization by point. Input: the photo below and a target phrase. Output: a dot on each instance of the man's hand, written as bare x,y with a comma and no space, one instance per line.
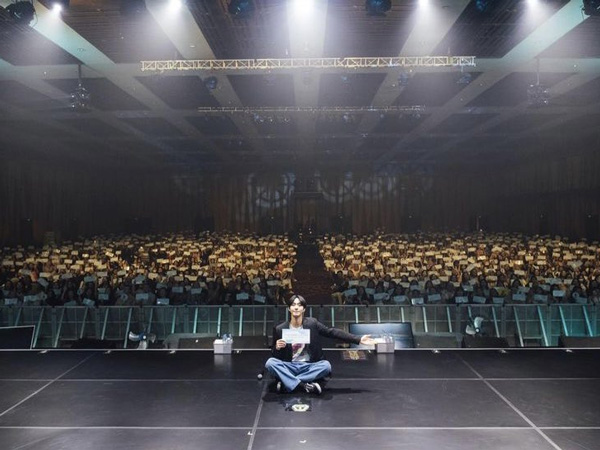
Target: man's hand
280,344
367,340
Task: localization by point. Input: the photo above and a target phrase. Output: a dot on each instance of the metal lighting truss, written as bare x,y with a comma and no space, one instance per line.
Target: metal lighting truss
308,63
309,109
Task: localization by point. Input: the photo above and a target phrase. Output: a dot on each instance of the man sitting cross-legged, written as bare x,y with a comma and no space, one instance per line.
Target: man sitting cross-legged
301,365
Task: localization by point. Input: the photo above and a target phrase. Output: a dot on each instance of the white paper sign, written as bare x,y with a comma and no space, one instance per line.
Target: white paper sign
296,335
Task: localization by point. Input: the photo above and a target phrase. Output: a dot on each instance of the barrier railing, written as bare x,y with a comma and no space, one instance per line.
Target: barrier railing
522,325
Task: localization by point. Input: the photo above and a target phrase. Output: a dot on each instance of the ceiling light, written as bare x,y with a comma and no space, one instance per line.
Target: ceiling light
174,5
21,12
303,7
60,4
377,7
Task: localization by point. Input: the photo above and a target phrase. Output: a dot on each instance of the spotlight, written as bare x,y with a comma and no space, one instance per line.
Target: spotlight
175,5
591,7
403,79
240,7
482,5
465,78
211,83
377,7
60,5
303,8
21,12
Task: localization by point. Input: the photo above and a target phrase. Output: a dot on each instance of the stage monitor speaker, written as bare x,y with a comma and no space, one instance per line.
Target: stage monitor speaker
402,332
205,341
196,342
484,342
17,338
433,341
579,342
92,344
250,342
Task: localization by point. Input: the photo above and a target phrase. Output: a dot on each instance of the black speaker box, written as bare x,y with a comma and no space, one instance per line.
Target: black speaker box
92,344
579,342
16,338
429,341
484,342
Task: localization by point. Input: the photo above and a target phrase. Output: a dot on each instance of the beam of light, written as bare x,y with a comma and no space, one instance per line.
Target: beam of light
424,4
303,9
174,5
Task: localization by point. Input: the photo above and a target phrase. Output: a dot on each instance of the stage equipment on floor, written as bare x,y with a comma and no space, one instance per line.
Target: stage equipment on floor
400,331
143,339
17,338
484,342
576,342
474,327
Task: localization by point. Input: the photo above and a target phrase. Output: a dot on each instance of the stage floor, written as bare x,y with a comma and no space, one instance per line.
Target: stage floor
414,399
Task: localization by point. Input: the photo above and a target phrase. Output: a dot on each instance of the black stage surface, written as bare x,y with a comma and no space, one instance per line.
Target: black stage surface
413,399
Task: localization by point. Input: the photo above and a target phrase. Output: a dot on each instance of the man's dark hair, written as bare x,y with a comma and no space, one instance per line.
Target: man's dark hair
299,298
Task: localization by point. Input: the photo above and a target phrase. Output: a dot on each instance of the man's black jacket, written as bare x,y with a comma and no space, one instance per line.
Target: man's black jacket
317,329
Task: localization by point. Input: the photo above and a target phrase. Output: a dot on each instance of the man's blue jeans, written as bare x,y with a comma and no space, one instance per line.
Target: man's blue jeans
292,373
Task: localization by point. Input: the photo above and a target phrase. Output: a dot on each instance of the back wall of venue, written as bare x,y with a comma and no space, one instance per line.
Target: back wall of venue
557,196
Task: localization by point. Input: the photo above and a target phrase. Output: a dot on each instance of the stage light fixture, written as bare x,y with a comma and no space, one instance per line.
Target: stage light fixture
211,83
403,79
591,7
303,8
482,5
240,7
21,12
377,7
60,4
465,77
175,5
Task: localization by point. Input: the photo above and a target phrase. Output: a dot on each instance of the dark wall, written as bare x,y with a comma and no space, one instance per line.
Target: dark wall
556,196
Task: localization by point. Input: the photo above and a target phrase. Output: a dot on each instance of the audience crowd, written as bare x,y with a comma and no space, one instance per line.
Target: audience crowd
243,269
177,269
461,268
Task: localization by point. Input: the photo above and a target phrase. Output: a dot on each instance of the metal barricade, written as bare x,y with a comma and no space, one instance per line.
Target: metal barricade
521,325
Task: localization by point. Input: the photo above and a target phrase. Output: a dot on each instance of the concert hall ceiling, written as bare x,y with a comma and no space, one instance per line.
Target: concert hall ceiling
533,93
